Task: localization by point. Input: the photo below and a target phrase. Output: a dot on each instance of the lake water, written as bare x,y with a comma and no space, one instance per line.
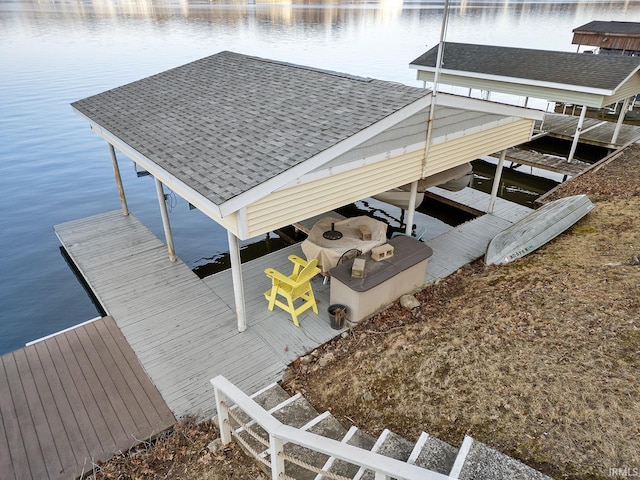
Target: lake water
53,169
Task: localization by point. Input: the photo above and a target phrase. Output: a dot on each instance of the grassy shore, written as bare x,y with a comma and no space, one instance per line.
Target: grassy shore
539,358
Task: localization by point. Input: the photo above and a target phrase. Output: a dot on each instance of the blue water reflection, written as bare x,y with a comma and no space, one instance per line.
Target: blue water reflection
54,169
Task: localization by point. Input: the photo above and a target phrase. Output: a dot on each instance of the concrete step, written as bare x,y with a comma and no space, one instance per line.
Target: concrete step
327,426
477,460
433,454
268,398
390,445
285,405
354,437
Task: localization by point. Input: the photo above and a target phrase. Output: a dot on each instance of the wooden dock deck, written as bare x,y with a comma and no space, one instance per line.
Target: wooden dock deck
183,329
74,399
551,163
594,131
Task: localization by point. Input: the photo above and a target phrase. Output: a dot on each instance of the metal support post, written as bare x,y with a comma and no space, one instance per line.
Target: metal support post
412,207
625,105
165,220
236,275
496,181
116,173
576,136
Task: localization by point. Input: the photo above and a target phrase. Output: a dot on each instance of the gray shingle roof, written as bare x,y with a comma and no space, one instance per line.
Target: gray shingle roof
621,28
226,123
566,68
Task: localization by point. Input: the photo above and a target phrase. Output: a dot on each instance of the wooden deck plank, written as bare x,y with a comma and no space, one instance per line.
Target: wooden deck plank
106,366
52,434
29,436
99,419
146,395
13,456
108,394
79,432
564,127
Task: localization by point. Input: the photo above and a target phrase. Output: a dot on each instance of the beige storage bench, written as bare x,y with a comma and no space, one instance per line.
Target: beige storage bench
384,281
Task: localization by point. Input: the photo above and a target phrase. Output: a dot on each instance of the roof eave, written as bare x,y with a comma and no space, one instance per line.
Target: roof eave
296,172
185,191
521,81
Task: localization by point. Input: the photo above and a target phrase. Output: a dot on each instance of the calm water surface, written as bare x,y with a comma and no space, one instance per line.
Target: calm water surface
53,169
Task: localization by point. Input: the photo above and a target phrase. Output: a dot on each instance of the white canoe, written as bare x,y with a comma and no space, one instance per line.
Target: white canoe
536,229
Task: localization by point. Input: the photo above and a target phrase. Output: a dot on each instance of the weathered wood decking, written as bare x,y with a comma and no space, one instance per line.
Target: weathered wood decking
73,399
183,329
594,131
551,163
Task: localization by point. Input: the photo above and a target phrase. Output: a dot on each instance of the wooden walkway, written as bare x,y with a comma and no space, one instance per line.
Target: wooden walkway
73,399
468,242
551,163
594,131
183,329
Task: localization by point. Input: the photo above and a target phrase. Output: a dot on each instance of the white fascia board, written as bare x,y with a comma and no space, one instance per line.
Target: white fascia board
470,131
189,194
285,178
635,71
519,81
486,106
362,162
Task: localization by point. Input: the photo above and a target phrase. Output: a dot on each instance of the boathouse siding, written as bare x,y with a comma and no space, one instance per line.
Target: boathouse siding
378,173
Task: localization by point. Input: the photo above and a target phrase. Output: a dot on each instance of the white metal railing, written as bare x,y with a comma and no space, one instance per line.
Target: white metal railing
279,434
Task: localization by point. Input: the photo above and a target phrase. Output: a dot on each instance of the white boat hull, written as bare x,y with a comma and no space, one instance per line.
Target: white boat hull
536,229
399,198
453,179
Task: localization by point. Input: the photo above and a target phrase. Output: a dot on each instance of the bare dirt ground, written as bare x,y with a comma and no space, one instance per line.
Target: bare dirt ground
539,358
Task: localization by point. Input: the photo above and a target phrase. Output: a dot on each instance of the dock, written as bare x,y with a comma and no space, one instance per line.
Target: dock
551,163
183,329
77,397
594,132
72,400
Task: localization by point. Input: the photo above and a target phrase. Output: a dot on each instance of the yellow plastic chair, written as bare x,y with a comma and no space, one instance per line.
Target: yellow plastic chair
295,286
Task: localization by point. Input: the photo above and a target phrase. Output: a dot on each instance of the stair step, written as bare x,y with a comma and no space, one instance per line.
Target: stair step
295,413
257,429
433,454
354,437
325,425
477,460
390,445
268,398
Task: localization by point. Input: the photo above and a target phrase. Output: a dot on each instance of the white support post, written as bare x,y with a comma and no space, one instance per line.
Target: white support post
496,181
277,461
116,173
223,416
576,136
625,105
412,207
382,476
165,220
236,275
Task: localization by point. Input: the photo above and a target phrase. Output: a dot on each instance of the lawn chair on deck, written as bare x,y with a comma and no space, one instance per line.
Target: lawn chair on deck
295,286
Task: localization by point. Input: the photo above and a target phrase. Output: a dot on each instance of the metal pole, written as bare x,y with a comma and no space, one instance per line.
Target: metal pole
625,105
165,220
436,80
496,181
236,275
116,173
412,207
576,136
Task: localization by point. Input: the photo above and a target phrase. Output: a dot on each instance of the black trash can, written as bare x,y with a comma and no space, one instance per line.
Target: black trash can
338,316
